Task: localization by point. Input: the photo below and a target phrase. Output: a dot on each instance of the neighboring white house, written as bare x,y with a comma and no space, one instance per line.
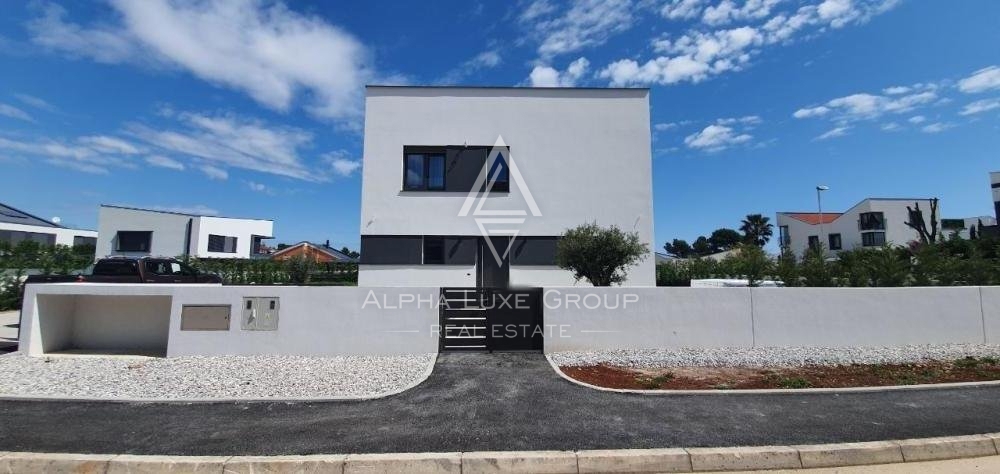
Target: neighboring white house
567,157
138,232
869,223
963,226
17,225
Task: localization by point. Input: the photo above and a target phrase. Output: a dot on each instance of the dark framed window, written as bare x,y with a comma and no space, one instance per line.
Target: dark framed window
871,221
872,239
953,224
424,171
834,241
134,240
433,250
13,237
814,242
221,243
499,176
79,241
534,250
783,238
168,268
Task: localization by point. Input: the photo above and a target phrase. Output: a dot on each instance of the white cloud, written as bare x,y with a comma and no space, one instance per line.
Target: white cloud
15,113
745,120
895,90
485,60
701,53
82,155
106,144
890,127
585,23
727,11
340,163
983,80
917,119
682,9
662,127
836,132
716,137
264,49
165,162
214,173
866,106
229,140
259,188
818,111
545,76
981,106
36,102
936,127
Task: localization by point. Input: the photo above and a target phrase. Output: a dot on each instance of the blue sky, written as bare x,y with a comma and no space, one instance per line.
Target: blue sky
245,108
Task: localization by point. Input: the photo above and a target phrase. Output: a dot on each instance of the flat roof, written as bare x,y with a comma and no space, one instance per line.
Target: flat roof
182,213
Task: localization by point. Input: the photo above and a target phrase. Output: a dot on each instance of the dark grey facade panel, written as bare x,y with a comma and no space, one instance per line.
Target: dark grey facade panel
534,251
463,167
460,250
391,249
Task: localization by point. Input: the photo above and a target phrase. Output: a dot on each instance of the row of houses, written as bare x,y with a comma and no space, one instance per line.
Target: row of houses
874,222
134,232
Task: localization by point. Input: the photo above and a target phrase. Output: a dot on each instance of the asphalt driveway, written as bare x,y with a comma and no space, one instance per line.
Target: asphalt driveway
494,402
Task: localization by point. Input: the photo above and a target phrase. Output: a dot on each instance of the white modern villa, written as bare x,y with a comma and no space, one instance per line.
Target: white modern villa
17,225
141,232
556,158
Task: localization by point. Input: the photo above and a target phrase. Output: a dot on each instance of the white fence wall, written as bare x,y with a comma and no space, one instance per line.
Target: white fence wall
312,321
762,317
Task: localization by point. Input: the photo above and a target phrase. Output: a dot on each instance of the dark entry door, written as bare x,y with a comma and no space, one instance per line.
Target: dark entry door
514,320
489,272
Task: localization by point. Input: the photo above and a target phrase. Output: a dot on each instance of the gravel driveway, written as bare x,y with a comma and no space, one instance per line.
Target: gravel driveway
231,377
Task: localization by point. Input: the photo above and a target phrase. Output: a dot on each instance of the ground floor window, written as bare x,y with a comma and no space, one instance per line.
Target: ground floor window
133,240
873,239
814,242
14,237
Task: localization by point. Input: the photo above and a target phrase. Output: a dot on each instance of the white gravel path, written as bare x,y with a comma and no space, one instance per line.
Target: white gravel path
229,377
774,356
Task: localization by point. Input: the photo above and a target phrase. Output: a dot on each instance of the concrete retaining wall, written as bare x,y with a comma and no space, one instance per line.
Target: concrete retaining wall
761,317
313,321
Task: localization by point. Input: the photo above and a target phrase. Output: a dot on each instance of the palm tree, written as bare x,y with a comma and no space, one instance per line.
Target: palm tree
756,229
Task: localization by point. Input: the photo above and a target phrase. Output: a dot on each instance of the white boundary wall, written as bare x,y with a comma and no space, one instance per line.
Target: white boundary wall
328,321
762,317
313,321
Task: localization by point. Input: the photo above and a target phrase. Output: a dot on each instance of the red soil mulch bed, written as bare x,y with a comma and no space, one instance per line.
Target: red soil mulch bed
969,369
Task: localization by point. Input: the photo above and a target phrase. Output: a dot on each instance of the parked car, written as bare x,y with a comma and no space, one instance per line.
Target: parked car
134,270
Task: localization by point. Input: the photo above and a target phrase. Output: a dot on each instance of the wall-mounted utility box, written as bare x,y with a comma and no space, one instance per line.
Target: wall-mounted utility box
205,317
260,314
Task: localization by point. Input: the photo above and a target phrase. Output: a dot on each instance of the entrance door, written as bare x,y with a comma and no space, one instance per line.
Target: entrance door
489,272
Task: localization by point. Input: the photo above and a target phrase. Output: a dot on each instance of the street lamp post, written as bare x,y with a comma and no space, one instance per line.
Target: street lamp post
819,205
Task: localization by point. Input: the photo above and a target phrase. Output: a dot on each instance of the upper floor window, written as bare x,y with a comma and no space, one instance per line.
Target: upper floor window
871,221
221,243
424,172
499,177
133,240
784,239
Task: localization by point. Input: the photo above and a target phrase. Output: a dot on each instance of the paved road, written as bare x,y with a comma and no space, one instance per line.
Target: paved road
494,402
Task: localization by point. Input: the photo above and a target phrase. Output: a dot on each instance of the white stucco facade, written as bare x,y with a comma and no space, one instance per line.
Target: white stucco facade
584,154
63,235
795,228
175,234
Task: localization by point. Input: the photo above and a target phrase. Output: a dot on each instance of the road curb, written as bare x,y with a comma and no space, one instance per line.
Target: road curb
776,391
585,461
185,401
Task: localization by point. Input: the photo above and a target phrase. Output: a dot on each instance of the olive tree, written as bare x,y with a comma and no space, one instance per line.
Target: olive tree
600,255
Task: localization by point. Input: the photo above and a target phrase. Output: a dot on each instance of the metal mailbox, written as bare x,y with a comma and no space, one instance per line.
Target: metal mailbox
260,313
